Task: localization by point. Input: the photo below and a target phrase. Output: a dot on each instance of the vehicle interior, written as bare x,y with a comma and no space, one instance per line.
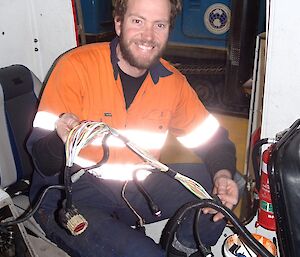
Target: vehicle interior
245,77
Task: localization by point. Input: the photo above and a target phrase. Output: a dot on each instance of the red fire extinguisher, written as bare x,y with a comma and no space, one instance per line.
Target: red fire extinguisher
266,217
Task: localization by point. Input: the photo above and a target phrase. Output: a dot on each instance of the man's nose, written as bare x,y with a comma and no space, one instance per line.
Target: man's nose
148,32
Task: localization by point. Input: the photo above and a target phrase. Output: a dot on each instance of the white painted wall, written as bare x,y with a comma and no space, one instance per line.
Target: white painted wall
35,32
281,105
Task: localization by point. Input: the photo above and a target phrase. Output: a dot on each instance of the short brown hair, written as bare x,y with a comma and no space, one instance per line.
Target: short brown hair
120,8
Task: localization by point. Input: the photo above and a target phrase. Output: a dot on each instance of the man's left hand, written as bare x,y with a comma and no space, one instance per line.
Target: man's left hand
226,189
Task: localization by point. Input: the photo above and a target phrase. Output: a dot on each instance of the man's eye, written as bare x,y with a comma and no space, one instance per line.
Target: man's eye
136,21
162,26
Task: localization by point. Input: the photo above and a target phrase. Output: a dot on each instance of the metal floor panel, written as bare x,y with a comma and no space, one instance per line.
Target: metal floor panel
46,249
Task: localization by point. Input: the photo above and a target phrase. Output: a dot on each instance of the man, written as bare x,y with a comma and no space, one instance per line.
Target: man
127,85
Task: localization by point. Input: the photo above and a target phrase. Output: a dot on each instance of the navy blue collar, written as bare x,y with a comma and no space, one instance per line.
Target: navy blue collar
158,70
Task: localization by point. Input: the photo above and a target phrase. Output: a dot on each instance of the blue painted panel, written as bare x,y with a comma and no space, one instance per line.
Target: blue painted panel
208,19
203,23
97,16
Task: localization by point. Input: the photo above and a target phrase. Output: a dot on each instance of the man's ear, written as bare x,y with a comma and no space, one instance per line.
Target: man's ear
117,21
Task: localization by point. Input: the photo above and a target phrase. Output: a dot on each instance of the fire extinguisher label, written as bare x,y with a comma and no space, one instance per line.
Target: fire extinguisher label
266,206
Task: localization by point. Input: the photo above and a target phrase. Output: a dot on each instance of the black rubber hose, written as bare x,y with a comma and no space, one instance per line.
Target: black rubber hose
105,154
68,187
68,171
256,160
152,205
256,246
25,217
203,249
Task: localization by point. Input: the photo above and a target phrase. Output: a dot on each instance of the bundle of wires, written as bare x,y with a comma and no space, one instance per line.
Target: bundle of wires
85,132
193,186
81,135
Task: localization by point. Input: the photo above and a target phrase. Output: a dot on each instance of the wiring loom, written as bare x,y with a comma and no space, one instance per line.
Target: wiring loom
87,131
80,136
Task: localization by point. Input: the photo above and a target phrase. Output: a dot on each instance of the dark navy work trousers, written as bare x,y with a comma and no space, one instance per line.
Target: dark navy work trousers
110,221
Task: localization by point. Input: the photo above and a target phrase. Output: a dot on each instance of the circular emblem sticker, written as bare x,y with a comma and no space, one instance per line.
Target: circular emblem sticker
217,18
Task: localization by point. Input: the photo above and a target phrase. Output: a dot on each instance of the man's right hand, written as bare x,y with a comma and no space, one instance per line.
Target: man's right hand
65,124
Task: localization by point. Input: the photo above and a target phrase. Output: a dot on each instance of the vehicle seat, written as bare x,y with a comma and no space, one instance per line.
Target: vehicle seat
19,94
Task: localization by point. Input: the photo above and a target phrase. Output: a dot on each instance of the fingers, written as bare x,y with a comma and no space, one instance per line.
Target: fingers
227,191
209,211
65,124
218,217
228,200
69,119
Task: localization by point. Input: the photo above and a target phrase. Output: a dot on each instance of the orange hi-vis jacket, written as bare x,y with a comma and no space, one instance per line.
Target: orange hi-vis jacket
85,82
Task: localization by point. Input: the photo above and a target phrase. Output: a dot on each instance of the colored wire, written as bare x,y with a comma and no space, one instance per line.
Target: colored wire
82,134
193,186
140,219
189,183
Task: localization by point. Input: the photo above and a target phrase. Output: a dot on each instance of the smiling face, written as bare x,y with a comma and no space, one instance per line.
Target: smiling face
143,34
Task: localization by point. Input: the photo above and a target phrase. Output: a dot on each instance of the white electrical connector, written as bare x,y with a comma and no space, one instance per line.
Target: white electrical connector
77,224
77,175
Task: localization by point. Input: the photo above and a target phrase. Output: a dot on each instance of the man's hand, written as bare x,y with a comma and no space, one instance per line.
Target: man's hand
226,189
65,124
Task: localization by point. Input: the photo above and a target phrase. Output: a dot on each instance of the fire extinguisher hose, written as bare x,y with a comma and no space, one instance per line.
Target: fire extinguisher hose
256,159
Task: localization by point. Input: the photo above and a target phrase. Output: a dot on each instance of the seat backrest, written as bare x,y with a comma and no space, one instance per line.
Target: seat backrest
19,92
